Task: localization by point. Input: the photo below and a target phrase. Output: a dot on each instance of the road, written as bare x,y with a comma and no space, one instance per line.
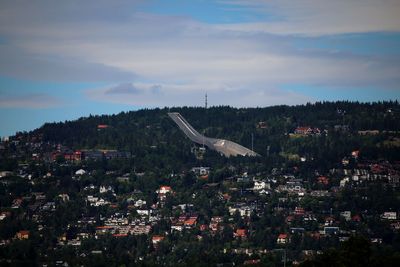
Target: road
225,147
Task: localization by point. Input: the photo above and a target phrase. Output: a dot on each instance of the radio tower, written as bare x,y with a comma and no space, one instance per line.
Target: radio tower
206,102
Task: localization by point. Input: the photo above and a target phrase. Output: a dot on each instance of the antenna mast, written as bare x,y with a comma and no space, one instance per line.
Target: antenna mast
206,102
252,142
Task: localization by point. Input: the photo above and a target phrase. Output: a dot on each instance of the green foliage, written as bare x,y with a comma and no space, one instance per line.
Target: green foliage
355,252
157,143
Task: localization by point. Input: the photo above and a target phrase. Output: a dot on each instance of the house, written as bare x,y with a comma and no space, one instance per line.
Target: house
329,221
5,174
344,181
23,234
244,210
389,215
346,215
140,230
4,215
80,172
157,239
323,180
165,189
64,197
201,171
16,203
282,239
240,233
102,126
95,201
123,179
293,185
190,222
140,203
105,189
143,212
305,130
260,185
104,229
177,227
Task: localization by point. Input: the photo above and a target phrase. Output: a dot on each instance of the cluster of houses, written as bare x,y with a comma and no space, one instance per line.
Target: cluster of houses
307,131
243,195
78,155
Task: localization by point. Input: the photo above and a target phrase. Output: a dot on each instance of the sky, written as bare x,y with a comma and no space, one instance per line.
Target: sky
61,60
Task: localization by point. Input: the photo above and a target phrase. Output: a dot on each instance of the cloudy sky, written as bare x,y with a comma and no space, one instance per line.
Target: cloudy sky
60,60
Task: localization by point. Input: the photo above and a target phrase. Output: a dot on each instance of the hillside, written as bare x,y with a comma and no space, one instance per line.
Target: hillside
153,138
132,189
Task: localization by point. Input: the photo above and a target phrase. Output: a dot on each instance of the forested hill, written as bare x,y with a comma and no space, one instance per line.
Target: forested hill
152,131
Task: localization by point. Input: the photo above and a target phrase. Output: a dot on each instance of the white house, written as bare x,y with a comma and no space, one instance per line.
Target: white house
260,185
140,203
80,172
389,215
105,189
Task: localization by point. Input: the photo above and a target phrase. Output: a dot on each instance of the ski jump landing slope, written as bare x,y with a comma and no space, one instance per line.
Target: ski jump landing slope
225,147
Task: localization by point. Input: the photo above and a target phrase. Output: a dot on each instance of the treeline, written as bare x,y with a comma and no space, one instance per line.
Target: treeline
152,136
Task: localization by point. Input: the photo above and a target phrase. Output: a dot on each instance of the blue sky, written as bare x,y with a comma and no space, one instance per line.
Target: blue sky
63,60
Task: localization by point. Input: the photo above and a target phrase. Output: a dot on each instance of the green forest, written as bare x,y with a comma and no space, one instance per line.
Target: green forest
154,140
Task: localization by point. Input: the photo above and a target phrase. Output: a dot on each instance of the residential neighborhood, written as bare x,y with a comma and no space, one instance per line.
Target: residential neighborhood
68,206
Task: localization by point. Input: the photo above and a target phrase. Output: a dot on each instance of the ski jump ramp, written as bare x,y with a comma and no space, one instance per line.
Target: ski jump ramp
225,147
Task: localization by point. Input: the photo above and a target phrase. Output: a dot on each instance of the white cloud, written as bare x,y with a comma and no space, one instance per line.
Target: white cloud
322,17
240,64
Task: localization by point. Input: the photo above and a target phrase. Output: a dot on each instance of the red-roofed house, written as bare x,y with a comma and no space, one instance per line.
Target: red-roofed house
157,239
190,222
282,239
323,180
163,191
23,234
242,233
